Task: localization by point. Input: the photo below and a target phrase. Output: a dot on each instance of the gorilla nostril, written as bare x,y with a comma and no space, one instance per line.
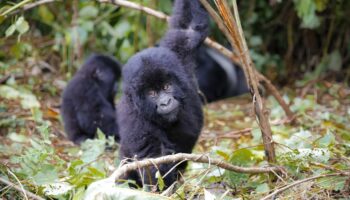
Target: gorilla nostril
169,101
166,102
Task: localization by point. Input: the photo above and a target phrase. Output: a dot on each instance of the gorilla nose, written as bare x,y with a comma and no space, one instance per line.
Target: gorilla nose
166,102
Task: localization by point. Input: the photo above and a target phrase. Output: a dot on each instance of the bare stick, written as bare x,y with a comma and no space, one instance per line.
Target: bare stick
276,192
32,5
37,3
273,91
136,6
20,189
189,157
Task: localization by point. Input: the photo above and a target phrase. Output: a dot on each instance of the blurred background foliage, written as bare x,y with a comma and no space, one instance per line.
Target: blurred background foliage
291,41
288,39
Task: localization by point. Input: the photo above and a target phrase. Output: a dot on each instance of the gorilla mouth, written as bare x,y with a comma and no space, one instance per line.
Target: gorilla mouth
170,113
168,110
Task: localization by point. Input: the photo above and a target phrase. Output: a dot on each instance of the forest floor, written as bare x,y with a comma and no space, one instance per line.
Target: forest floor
35,152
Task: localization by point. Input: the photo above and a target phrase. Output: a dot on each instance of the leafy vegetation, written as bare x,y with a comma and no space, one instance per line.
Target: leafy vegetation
43,46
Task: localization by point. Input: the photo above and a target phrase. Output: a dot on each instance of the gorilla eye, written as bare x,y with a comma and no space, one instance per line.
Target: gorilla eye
152,93
166,87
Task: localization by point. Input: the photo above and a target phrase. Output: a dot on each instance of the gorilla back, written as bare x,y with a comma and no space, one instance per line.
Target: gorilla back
88,100
160,111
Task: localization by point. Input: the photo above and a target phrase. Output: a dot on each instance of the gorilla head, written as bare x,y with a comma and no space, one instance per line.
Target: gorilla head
154,87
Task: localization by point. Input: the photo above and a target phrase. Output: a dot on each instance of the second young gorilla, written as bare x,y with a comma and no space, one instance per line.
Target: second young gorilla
88,99
160,111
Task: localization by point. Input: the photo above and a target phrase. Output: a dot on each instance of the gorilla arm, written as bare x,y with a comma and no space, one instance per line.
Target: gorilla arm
188,27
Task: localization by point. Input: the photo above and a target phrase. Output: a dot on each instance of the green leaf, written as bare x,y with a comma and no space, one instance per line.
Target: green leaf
17,138
222,154
335,62
242,157
92,149
256,133
46,175
326,140
306,10
321,5
22,25
96,172
45,14
79,194
74,166
107,189
29,101
88,12
300,139
336,183
262,188
160,181
2,18
121,29
8,92
10,30
37,115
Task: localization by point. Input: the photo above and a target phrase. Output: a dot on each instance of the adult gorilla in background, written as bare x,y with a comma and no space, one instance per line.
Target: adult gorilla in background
88,99
217,76
160,111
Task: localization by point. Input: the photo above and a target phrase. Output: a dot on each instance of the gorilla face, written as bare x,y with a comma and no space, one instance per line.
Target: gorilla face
164,101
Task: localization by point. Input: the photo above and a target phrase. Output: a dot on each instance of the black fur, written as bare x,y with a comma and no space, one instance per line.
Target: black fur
88,100
217,76
143,132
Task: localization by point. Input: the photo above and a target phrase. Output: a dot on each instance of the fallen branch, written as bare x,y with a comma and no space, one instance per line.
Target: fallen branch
226,52
236,134
180,157
274,194
20,189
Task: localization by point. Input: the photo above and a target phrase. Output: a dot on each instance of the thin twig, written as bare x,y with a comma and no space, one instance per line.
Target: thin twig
236,134
274,194
327,167
180,157
20,189
20,4
20,184
136,6
32,5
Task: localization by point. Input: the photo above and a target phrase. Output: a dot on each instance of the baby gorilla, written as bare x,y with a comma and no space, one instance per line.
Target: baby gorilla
88,100
160,111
